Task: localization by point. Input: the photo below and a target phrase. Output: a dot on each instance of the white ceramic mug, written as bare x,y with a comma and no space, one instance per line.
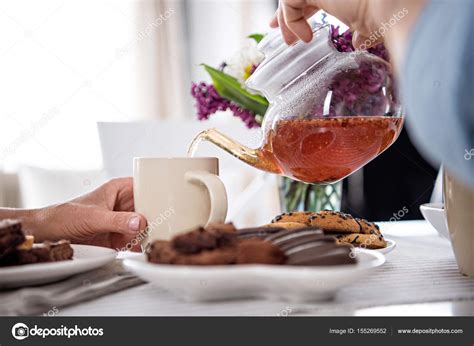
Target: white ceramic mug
459,205
177,194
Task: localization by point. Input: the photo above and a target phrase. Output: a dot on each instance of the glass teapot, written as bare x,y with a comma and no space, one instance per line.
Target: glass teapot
330,112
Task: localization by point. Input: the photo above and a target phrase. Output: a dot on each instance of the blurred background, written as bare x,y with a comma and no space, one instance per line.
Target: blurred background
68,65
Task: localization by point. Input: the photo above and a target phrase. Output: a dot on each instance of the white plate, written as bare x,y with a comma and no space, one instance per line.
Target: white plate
389,248
434,213
205,283
86,257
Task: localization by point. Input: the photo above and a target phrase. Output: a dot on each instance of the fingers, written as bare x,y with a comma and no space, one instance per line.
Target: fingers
295,20
291,17
103,221
287,34
274,20
360,41
118,194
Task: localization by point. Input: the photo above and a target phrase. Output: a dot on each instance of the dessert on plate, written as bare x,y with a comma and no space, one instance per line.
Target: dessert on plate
344,227
16,248
223,244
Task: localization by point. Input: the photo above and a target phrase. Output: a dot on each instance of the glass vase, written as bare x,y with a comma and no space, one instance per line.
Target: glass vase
298,196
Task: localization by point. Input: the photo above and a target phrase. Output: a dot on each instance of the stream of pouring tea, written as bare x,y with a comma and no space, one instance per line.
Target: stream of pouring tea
194,145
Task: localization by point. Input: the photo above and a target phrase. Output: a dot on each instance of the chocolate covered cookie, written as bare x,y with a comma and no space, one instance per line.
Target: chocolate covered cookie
258,232
323,252
310,246
290,238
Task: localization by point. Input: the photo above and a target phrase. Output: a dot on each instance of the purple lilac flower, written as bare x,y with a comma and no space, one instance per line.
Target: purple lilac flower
357,91
208,101
343,43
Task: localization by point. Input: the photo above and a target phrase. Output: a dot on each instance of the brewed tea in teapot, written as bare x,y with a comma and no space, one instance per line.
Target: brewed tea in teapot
330,112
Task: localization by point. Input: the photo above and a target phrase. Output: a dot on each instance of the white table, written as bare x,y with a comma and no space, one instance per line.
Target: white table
146,300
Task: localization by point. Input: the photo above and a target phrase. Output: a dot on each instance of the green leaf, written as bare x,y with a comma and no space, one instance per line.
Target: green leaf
257,37
230,88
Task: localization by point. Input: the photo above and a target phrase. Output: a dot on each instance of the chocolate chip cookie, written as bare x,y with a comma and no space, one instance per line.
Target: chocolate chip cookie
368,241
297,216
367,227
286,225
334,222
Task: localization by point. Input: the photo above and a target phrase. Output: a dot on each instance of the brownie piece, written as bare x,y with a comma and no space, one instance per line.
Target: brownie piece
162,252
40,253
11,236
257,251
209,238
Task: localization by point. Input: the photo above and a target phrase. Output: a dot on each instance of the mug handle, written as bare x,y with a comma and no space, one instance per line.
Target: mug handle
217,193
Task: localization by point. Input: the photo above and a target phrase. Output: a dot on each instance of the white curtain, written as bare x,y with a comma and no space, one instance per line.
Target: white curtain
170,51
163,70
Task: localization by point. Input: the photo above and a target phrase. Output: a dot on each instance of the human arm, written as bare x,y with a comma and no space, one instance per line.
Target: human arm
103,217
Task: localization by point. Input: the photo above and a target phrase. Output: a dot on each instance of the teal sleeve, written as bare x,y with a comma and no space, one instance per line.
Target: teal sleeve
438,85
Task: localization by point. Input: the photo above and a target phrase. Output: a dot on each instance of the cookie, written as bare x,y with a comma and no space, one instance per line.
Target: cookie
322,252
335,222
257,251
212,237
369,241
367,227
290,238
297,216
286,225
257,232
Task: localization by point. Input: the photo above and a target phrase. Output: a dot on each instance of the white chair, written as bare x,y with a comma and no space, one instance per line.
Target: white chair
252,194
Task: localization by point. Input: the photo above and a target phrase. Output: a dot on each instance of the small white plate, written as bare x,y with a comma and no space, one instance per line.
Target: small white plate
389,248
86,257
434,213
294,283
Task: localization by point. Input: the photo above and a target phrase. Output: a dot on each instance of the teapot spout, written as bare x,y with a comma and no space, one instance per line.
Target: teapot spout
252,157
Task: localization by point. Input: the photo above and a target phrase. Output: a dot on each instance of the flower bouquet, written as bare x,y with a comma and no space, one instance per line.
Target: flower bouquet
227,92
